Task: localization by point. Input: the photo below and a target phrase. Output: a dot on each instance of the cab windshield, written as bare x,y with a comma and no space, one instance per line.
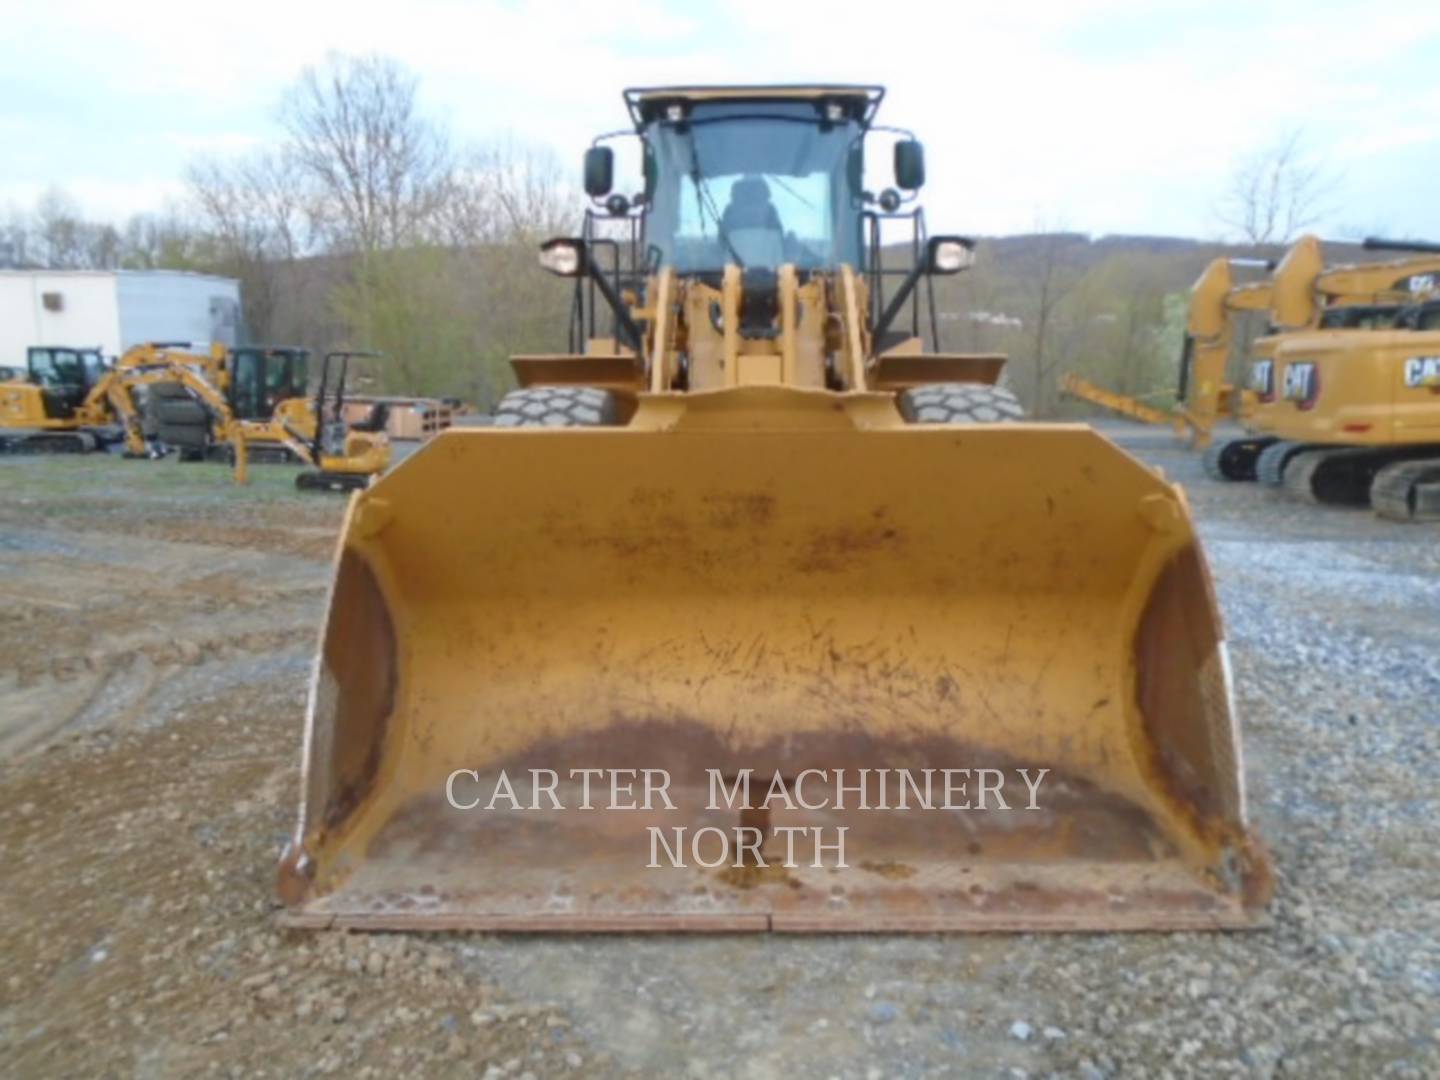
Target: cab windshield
756,184
286,374
262,378
68,371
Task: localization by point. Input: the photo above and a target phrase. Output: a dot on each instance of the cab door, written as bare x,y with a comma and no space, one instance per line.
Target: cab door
247,384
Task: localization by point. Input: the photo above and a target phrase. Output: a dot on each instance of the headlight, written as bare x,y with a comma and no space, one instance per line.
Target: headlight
563,257
951,254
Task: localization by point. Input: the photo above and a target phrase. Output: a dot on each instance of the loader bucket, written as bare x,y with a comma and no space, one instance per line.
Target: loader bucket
704,605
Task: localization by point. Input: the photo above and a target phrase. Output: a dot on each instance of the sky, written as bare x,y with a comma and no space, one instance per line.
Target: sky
1113,116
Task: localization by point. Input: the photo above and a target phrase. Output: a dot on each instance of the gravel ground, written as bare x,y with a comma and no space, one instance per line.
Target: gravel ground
153,655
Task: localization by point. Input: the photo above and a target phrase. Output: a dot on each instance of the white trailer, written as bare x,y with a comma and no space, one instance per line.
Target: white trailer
114,309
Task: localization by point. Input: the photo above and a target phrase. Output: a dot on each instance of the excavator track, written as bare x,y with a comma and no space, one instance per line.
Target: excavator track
1270,466
312,480
1234,459
50,442
1334,476
1407,490
256,453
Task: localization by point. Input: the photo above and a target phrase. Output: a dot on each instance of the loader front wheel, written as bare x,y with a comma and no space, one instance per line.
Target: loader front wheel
960,403
558,406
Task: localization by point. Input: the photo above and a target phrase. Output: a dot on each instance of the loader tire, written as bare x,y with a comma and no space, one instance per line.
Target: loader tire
960,403
557,406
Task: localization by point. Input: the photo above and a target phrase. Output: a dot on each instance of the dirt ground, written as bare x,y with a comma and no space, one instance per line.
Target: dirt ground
156,626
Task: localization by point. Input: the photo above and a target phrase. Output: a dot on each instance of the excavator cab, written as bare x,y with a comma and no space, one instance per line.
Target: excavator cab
65,376
263,377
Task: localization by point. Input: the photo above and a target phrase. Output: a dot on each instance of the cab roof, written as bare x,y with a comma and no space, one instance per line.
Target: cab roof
863,101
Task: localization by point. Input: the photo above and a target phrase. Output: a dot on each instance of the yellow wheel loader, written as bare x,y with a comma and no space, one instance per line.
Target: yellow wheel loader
756,611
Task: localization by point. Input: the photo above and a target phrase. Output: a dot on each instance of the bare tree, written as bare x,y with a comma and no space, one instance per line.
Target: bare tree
1276,192
253,212
14,240
1050,279
506,193
168,239
62,238
376,168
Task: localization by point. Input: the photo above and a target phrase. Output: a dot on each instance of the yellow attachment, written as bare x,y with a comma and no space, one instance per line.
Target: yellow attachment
772,579
1293,303
1208,316
1123,404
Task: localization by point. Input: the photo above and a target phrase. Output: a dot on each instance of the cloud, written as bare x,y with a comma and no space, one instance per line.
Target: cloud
1116,116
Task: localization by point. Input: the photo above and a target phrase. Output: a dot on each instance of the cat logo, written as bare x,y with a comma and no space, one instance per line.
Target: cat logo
1421,283
1302,384
1423,371
1262,379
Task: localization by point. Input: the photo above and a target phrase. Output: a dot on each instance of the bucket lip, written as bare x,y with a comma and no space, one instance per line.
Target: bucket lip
1232,918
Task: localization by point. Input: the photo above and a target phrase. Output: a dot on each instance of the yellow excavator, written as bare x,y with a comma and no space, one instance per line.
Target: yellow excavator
254,407
263,386
1354,414
756,610
60,404
1288,297
71,401
1336,310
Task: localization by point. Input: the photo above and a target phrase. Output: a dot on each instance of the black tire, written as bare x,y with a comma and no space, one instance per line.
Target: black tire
558,406
176,413
960,403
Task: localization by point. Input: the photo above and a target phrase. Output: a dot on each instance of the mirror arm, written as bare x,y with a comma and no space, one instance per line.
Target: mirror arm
902,294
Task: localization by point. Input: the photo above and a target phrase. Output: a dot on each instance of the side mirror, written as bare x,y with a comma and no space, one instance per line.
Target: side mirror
949,254
599,171
909,165
563,257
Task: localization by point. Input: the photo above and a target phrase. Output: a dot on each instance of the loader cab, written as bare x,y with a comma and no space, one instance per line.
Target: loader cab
262,377
755,178
757,183
65,376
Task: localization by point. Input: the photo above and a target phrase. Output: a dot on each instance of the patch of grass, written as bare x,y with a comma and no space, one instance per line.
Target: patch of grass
62,479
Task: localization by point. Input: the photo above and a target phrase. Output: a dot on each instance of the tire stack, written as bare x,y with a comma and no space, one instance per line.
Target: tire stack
178,420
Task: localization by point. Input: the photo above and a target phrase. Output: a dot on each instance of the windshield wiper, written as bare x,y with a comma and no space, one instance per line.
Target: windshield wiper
705,201
783,186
